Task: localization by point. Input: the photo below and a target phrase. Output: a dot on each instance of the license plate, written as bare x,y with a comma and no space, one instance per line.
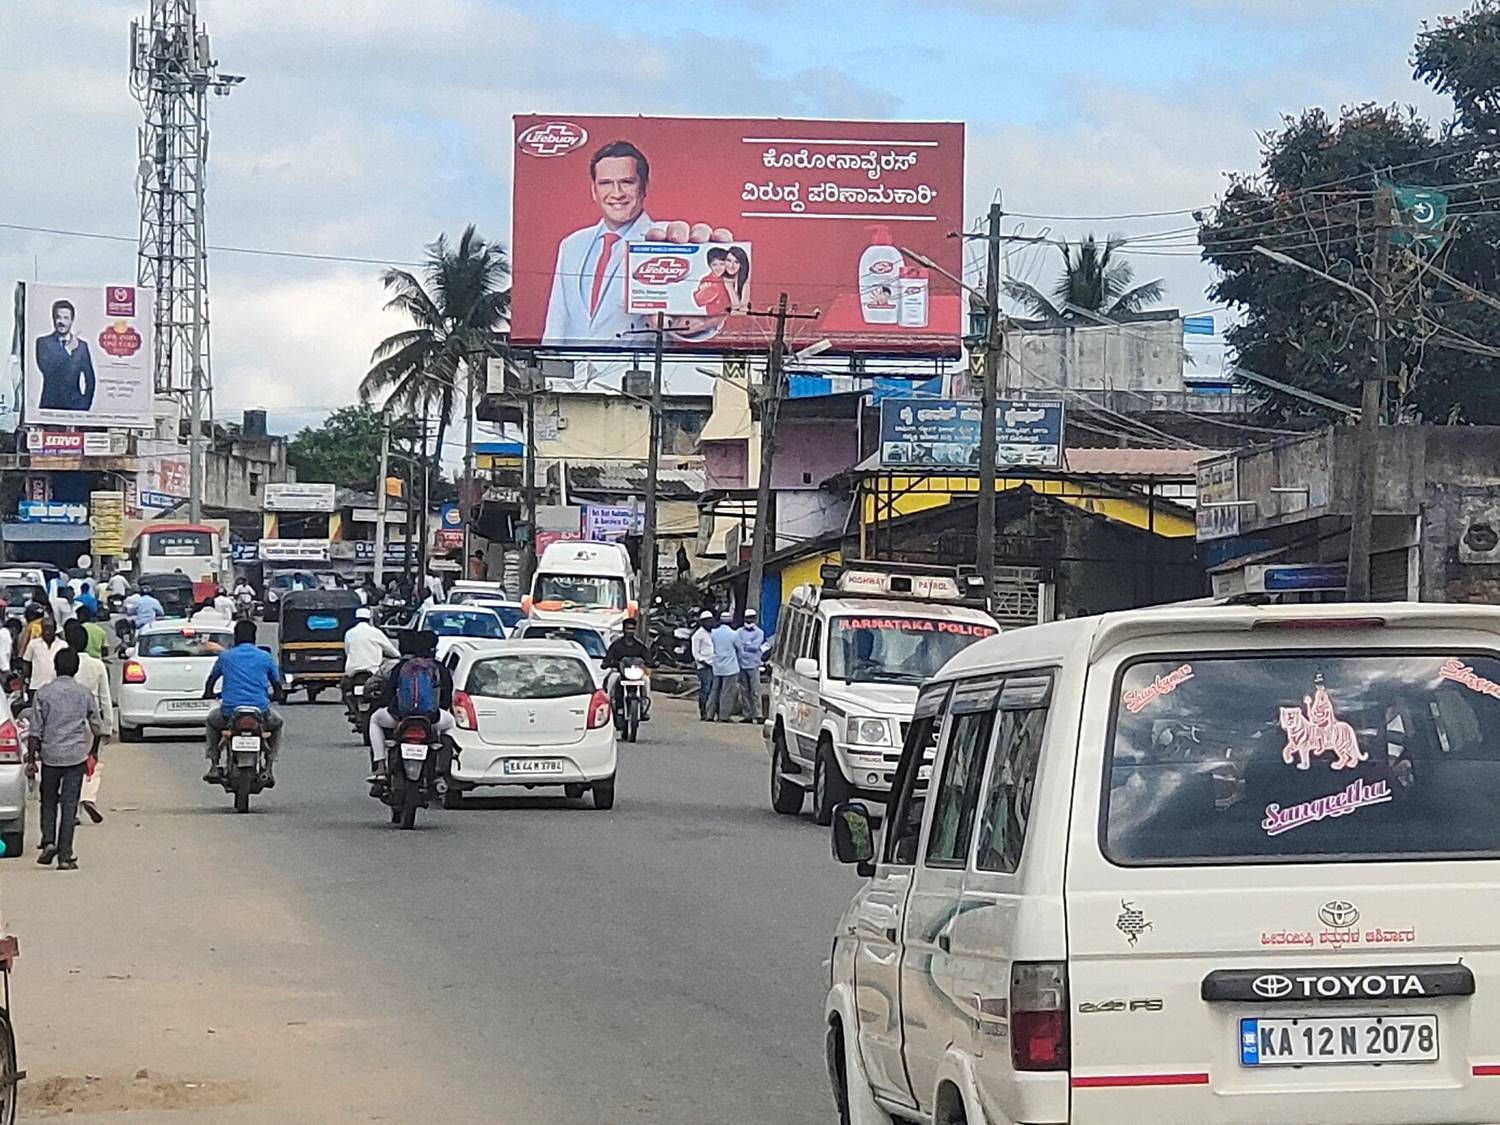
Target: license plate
414,751
191,705
532,766
245,744
1334,1040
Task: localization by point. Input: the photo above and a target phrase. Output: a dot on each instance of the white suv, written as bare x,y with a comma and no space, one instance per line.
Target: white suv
1223,865
845,668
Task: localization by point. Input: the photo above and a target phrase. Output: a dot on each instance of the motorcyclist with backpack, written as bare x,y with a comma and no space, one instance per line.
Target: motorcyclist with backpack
417,686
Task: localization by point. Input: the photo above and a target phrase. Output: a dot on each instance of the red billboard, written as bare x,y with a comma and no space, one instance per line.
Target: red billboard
838,215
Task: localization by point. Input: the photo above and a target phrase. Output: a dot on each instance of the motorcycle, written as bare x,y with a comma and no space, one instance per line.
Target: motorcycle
358,704
415,769
124,635
115,603
244,607
244,751
631,697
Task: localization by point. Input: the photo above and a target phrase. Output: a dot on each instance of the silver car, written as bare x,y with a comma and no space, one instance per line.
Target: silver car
13,730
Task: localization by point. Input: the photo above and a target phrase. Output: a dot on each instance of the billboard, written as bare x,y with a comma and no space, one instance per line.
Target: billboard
837,213
297,496
107,518
88,355
944,433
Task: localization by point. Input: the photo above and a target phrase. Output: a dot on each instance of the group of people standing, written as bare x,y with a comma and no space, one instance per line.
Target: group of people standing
728,664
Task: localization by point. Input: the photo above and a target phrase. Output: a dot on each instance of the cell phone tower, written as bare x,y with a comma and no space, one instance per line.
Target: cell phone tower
172,72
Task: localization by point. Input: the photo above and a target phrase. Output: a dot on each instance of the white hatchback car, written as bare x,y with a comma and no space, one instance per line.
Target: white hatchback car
531,713
161,685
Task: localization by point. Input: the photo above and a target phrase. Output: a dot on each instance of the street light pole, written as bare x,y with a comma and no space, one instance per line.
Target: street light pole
467,498
1362,516
994,344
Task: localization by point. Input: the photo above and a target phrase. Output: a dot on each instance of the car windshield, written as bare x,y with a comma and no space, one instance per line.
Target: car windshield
187,642
898,650
20,594
462,623
1305,757
581,591
530,677
592,642
510,615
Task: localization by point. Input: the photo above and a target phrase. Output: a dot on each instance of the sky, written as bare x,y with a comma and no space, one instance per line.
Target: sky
367,127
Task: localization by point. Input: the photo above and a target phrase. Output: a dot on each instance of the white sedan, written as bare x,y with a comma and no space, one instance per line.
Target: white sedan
161,684
531,713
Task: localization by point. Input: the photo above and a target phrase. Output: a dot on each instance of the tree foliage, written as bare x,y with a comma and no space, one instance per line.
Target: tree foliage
460,314
1314,199
345,449
1093,278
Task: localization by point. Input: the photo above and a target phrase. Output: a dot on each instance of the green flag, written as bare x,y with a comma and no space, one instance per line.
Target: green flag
1420,215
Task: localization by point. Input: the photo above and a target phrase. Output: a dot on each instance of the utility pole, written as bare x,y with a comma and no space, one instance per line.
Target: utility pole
425,509
381,501
994,343
1362,522
529,559
466,494
172,72
647,583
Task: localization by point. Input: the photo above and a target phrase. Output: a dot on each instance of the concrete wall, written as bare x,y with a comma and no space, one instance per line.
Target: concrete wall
802,515
809,452
235,476
613,428
1146,356
726,464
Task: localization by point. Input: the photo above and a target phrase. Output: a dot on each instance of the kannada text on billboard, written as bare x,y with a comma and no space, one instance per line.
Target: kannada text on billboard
89,355
944,433
705,222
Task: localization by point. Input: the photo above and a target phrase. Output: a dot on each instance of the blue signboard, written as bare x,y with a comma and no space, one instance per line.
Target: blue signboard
449,518
938,433
1198,326
244,552
51,511
1285,579
160,499
395,553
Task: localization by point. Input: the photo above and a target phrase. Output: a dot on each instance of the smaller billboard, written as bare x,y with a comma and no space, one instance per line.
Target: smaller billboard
609,522
687,279
1218,508
89,355
943,433
299,497
51,511
107,519
293,550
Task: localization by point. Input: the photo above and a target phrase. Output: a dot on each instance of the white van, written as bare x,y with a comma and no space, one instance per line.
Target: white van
847,662
1186,867
589,583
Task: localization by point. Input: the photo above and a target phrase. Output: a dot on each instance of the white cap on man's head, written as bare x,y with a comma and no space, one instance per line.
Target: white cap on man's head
362,613
705,616
750,615
726,616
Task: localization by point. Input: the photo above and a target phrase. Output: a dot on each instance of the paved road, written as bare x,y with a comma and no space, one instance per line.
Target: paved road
522,960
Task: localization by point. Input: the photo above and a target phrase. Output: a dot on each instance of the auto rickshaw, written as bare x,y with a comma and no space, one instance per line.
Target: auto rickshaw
311,638
174,591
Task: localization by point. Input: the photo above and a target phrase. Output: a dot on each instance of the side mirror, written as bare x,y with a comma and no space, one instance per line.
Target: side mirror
526,604
130,651
806,666
854,837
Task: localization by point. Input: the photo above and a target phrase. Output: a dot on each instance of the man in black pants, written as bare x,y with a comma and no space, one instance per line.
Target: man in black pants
65,725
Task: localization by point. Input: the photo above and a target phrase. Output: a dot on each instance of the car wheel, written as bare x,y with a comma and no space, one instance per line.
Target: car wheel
130,734
604,793
14,842
829,787
453,798
786,797
313,693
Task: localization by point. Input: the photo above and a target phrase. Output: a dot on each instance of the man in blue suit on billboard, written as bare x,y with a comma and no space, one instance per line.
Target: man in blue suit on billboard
65,364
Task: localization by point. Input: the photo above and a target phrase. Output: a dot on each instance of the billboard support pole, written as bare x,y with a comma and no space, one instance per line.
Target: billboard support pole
647,583
528,557
381,501
994,344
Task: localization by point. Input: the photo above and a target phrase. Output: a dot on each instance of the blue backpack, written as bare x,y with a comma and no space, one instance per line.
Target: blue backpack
418,687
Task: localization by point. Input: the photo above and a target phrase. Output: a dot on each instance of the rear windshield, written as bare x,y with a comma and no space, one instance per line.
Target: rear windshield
530,677
1305,757
457,623
196,643
164,543
592,642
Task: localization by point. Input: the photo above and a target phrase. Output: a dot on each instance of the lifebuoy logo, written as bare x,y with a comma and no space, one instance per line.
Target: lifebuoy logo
882,266
553,138
664,269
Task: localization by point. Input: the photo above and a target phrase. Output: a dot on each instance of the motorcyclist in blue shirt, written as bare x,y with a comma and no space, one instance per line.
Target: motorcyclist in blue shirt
250,677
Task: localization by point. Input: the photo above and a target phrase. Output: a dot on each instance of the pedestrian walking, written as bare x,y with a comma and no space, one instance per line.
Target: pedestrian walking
93,675
98,639
41,653
65,725
703,661
747,644
726,667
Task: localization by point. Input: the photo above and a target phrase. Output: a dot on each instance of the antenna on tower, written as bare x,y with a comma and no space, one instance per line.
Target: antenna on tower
172,72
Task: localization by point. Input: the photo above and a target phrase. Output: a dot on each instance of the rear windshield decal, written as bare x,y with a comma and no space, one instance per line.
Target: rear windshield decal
1460,673
1137,701
1317,731
1357,795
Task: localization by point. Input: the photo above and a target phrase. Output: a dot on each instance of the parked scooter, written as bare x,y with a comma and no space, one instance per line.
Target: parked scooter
416,769
244,752
630,695
124,635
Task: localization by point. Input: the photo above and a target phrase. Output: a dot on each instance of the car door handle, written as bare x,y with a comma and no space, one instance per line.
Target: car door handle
945,943
890,934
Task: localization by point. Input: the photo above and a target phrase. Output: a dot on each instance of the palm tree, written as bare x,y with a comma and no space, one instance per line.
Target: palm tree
1091,279
461,317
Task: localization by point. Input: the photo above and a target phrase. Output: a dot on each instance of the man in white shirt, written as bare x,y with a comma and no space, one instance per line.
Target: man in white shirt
365,646
93,675
224,604
703,660
63,609
118,585
41,652
7,649
207,614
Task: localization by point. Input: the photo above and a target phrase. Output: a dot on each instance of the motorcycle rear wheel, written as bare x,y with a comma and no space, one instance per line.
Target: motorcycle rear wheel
243,781
411,797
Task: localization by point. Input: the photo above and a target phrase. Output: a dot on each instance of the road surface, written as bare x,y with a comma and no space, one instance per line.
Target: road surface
521,960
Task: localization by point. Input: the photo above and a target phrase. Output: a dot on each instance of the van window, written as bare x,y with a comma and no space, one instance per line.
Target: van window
1007,803
792,647
909,790
1304,757
957,791
814,645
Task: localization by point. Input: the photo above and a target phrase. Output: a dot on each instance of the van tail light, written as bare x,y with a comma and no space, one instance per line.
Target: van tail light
1039,1015
1317,623
134,672
10,743
463,711
599,710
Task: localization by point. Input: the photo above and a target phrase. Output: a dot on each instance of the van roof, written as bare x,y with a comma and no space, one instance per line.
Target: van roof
573,552
841,605
1094,636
